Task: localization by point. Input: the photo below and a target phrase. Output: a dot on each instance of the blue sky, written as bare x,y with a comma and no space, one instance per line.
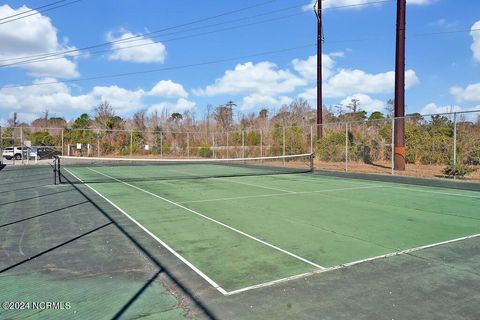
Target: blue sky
442,68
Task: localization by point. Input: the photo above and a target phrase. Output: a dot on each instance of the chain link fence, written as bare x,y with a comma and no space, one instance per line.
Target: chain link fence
438,145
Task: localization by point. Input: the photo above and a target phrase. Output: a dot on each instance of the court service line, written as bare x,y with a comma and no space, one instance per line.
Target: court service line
282,194
213,220
255,185
166,246
437,192
245,183
349,264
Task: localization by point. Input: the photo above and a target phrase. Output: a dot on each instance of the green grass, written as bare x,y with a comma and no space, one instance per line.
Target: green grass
328,221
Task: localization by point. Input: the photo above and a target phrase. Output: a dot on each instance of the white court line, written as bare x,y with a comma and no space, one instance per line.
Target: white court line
283,194
176,254
255,185
438,192
247,184
213,220
282,280
349,264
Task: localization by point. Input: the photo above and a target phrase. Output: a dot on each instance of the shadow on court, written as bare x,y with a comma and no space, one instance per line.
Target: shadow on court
76,247
68,246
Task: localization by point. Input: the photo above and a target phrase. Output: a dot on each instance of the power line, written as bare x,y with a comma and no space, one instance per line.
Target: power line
142,35
30,10
53,57
35,12
126,74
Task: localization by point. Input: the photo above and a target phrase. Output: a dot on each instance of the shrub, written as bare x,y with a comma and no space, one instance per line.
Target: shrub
205,151
331,147
457,170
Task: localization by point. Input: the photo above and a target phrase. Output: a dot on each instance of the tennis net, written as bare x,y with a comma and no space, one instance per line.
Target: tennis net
97,170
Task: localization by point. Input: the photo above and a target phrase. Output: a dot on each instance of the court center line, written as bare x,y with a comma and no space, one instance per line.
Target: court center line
213,220
349,264
282,194
166,246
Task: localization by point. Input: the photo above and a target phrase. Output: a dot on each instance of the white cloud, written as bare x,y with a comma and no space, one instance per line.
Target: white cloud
122,100
355,4
433,108
258,100
443,24
168,89
365,102
263,78
470,93
59,100
180,106
33,36
136,50
475,33
308,68
34,100
347,82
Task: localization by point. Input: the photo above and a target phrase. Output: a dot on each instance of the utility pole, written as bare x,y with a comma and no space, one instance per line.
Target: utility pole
318,11
399,114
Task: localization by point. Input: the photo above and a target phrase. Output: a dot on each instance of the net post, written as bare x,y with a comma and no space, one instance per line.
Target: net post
62,142
346,146
131,144
454,138
312,158
393,145
56,169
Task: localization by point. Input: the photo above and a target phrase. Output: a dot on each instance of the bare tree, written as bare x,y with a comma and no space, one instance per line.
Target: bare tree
224,116
104,114
139,120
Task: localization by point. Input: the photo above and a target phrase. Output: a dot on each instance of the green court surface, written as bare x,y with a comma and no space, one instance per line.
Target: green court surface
244,232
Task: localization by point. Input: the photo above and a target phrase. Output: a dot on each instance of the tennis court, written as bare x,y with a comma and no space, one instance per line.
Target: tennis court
241,226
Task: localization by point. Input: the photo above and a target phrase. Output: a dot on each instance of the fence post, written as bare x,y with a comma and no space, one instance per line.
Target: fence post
346,146
311,139
1,145
261,142
393,145
131,143
213,145
161,144
98,143
283,146
243,144
21,142
62,141
454,138
188,144
227,147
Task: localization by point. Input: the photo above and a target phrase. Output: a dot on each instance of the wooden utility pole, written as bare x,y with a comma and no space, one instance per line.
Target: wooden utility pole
318,12
399,114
